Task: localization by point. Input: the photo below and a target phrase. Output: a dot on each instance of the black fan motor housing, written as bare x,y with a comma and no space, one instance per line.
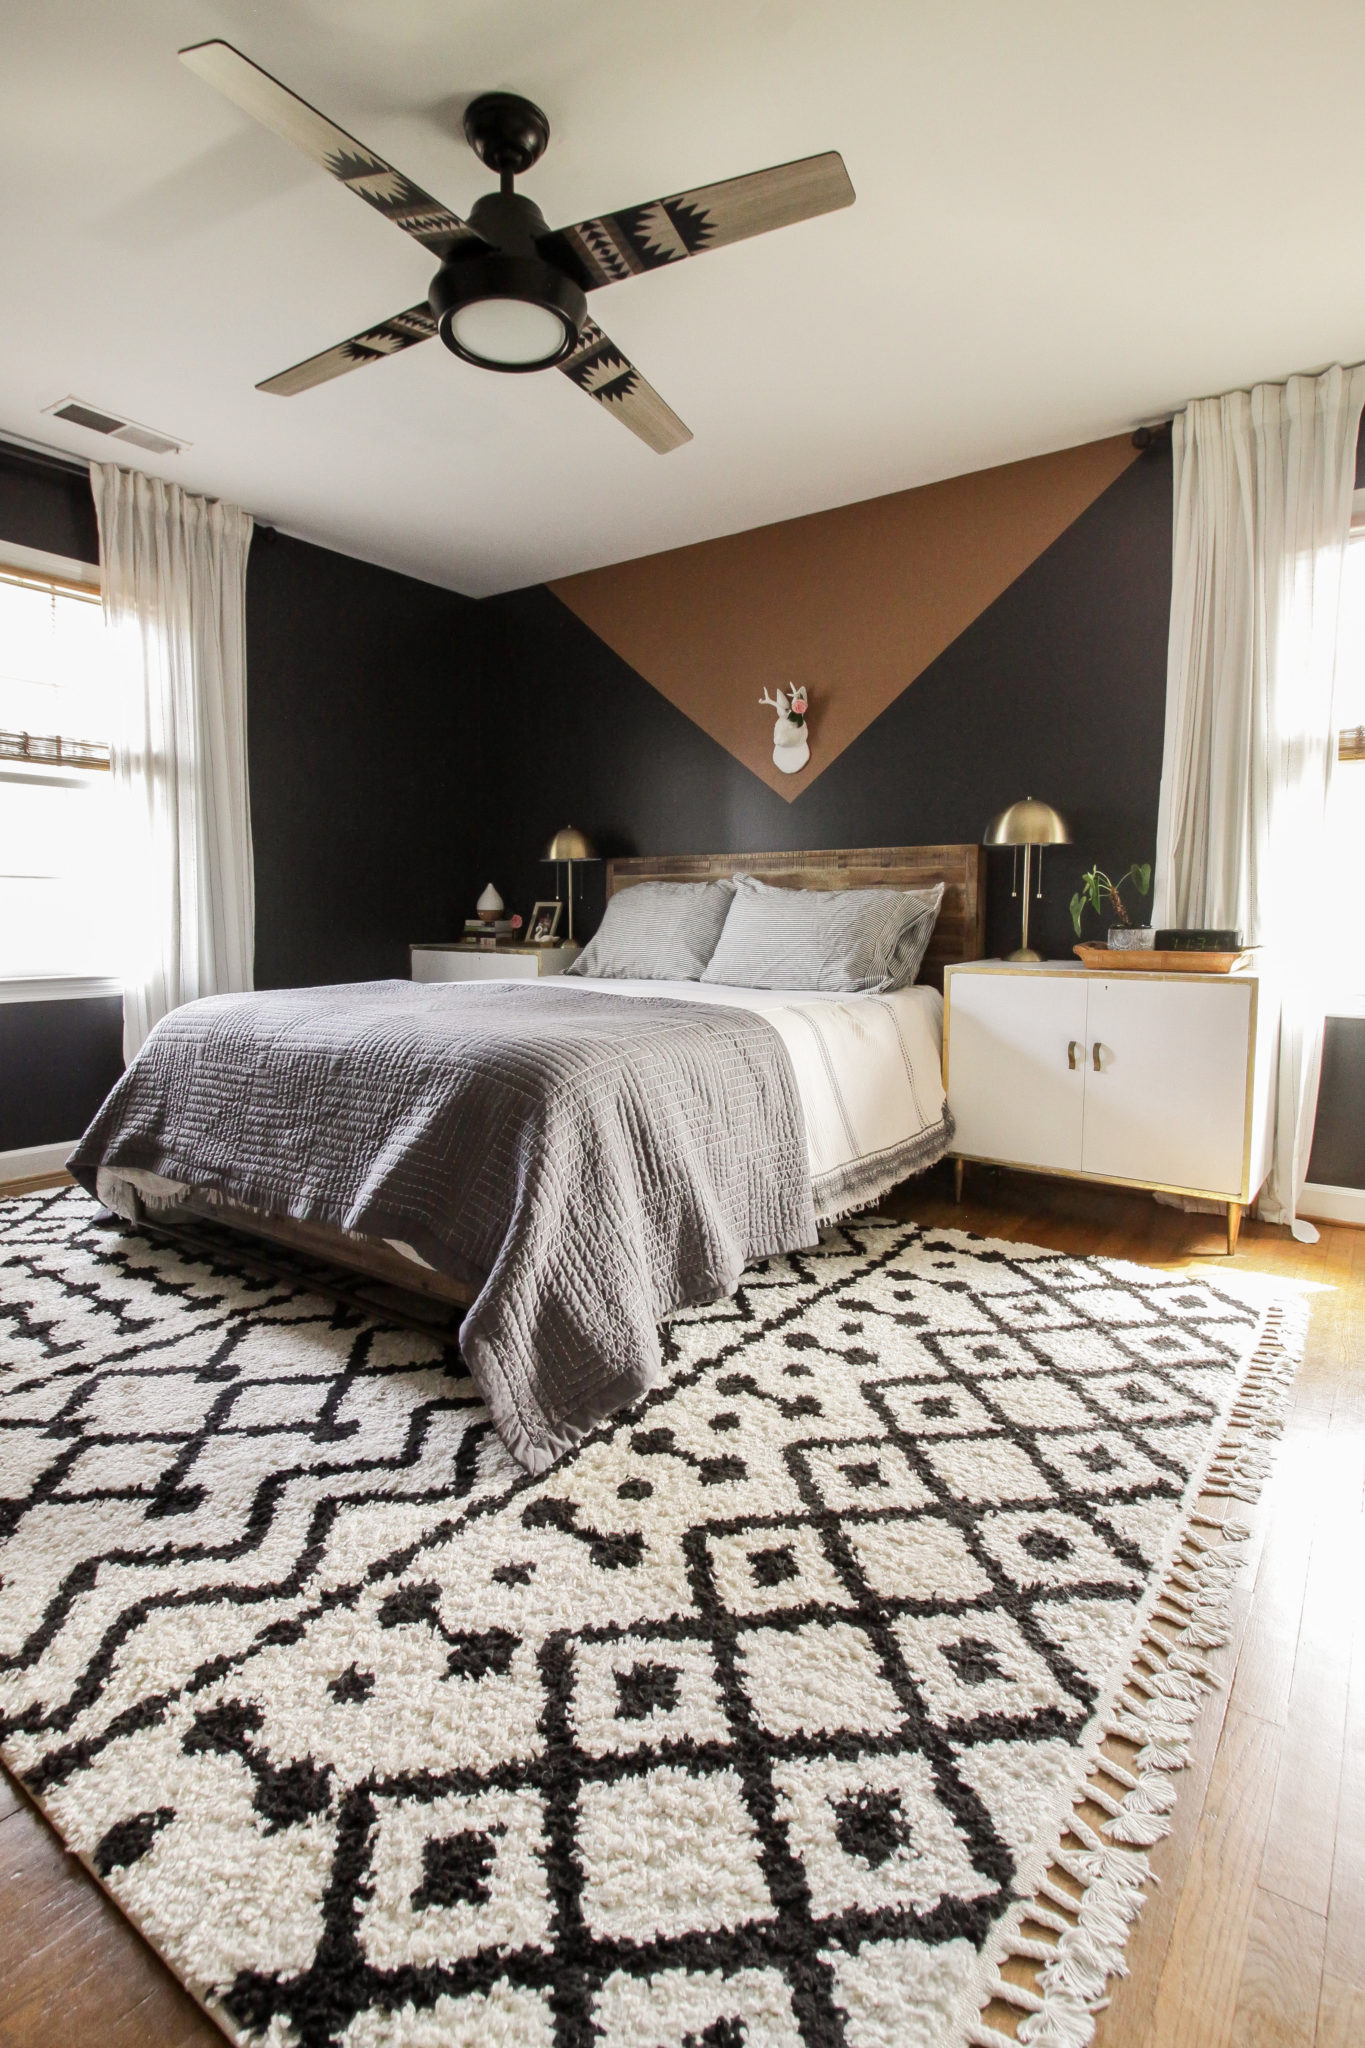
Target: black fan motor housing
510,268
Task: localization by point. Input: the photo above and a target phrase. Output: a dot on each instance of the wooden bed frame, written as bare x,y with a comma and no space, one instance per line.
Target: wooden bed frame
959,935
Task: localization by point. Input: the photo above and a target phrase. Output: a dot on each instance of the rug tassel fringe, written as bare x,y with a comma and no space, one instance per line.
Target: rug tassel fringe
1164,1693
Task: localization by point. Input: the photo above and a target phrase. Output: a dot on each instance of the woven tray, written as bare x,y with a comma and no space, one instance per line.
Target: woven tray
1133,960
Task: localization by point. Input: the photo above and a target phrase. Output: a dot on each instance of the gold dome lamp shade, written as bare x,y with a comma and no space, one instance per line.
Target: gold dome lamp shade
1028,824
570,845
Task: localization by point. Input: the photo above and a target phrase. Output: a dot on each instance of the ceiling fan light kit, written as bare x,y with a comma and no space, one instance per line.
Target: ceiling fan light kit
506,312
511,293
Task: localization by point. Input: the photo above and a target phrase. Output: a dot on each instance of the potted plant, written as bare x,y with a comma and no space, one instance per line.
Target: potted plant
1100,892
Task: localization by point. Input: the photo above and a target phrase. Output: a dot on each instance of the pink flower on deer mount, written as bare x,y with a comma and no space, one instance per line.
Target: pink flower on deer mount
799,702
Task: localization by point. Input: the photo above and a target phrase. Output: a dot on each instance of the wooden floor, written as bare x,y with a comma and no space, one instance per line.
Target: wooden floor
1255,1937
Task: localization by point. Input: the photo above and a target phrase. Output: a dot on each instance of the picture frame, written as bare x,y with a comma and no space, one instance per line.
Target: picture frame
542,926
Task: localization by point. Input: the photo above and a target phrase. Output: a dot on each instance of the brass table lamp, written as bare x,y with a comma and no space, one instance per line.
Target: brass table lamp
570,845
1028,824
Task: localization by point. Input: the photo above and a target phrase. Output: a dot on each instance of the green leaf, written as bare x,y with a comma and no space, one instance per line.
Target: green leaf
1077,912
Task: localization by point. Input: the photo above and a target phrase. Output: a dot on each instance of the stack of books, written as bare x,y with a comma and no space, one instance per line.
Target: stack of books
483,932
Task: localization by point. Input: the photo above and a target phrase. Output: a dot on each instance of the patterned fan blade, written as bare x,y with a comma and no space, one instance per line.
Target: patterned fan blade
358,168
618,245
387,338
598,367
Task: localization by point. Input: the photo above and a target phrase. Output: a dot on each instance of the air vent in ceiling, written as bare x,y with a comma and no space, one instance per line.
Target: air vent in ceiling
93,417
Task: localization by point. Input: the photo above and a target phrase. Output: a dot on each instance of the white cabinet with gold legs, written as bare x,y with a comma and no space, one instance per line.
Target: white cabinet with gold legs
1145,1080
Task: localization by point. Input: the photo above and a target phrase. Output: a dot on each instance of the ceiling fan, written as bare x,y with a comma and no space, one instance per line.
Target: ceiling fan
511,293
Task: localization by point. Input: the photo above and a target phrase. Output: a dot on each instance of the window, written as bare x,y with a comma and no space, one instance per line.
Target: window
57,878
1347,811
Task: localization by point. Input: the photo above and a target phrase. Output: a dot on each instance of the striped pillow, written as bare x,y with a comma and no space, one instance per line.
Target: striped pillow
846,940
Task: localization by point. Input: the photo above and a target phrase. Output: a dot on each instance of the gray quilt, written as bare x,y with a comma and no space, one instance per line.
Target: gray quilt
590,1163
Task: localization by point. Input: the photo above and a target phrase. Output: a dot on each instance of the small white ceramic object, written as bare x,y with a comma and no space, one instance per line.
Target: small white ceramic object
490,905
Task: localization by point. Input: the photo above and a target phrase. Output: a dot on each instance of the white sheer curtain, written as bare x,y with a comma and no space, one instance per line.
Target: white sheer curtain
174,571
1263,484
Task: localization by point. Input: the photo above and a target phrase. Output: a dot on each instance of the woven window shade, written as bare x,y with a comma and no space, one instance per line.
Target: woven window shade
53,751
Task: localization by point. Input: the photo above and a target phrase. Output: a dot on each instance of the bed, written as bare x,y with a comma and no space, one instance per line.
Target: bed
598,1154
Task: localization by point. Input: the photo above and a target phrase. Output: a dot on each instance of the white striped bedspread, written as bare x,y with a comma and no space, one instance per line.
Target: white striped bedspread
869,1071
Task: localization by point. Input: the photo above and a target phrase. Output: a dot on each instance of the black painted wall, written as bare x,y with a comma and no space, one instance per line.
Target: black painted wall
1338,1158
46,505
58,1061
1057,691
367,781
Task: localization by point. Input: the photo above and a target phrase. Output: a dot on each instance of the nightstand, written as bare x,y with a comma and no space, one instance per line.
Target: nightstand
460,961
1159,1081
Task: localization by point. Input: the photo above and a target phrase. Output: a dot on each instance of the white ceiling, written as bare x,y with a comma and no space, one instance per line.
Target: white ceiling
1070,217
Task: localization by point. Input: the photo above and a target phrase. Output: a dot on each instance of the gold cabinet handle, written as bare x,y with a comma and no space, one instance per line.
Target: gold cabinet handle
1072,1049
1095,1055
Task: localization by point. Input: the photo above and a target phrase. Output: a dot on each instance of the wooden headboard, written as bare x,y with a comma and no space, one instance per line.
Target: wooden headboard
960,933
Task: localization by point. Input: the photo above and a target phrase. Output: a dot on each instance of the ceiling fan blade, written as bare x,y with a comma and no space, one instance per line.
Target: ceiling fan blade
619,245
358,168
598,367
386,338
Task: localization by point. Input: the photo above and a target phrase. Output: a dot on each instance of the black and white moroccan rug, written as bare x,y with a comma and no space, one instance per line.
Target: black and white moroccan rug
758,1720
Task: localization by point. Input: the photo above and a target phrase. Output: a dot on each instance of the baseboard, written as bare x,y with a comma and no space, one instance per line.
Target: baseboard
31,1160
1332,1205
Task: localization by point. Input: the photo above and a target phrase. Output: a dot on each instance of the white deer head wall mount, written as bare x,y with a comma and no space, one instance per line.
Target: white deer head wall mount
791,743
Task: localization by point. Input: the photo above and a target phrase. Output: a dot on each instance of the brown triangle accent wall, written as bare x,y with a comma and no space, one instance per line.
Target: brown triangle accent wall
855,603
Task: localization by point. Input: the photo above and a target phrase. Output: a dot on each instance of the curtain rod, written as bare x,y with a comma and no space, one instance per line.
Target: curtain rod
1160,427
72,465
1156,436
38,451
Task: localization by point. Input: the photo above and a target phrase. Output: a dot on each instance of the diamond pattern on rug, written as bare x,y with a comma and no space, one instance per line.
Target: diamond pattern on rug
740,1725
